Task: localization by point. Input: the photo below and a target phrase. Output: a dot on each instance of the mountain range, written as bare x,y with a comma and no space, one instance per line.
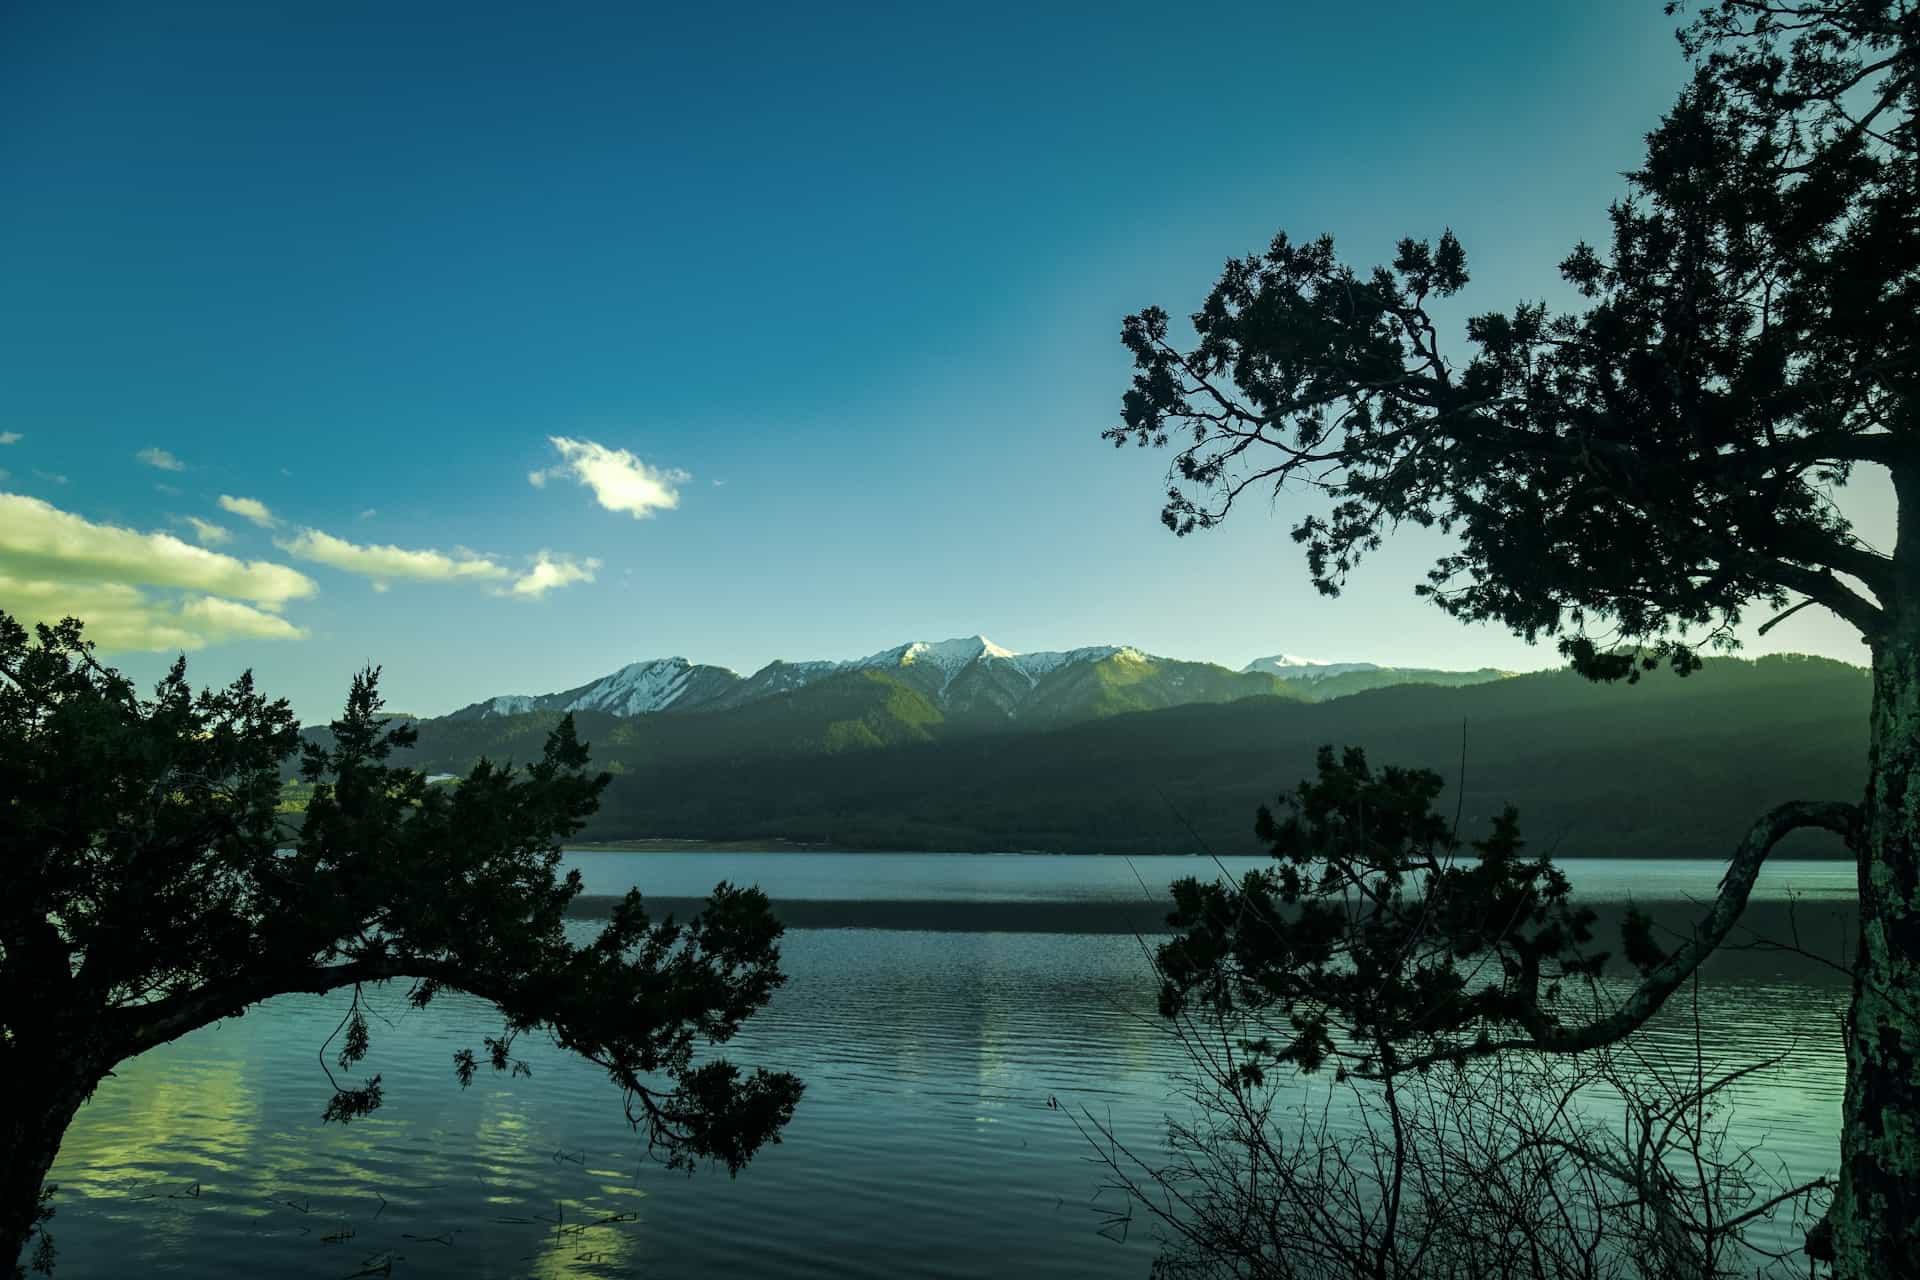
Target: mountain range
972,679
1116,751
964,745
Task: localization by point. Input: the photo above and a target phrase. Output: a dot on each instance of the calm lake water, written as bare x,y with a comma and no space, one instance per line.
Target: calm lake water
925,1144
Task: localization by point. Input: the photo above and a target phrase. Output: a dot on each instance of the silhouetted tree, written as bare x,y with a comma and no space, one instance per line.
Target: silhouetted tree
1633,477
148,888
1398,963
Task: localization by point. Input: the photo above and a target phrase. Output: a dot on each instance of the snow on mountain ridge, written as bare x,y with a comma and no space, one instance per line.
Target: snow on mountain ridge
945,654
661,684
952,657
1293,667
635,689
1045,663
509,704
654,684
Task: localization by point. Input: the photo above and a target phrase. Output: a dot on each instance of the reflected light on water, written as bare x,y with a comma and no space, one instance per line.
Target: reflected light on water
925,1143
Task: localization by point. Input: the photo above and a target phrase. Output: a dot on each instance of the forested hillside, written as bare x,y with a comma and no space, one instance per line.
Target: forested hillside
1668,766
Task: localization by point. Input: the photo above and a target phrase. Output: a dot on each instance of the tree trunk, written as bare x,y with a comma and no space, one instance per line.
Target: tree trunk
1876,1212
29,1140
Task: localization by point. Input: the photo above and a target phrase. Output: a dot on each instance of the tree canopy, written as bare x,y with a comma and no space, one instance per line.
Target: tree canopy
1643,469
1633,474
1400,967
1381,942
149,888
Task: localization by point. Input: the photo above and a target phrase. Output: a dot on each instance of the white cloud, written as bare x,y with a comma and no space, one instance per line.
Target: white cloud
248,509
219,619
53,476
550,571
382,565
119,617
55,564
10,437
207,533
619,480
40,542
386,562
160,458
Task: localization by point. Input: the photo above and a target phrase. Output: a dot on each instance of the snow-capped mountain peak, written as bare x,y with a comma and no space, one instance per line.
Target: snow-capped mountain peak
635,689
967,675
948,657
1289,666
638,688
951,657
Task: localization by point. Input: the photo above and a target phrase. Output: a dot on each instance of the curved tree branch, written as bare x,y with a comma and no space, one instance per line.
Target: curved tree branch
147,1026
1545,1034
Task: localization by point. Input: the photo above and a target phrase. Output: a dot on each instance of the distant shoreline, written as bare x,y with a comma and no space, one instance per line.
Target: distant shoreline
662,844
1827,929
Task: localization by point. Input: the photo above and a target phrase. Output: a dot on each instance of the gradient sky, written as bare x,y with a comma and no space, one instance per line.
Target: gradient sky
846,282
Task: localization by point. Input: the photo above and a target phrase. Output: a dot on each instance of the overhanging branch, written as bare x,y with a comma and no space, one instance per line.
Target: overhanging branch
143,1027
1544,1034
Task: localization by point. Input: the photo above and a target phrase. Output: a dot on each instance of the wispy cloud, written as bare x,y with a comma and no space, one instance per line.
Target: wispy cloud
550,571
207,533
619,480
10,437
51,477
160,458
248,509
384,563
55,564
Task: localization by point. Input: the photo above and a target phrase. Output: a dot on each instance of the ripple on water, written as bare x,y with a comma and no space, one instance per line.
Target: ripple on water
924,1145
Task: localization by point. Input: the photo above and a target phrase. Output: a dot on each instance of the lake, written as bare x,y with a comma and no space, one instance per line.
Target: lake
925,1144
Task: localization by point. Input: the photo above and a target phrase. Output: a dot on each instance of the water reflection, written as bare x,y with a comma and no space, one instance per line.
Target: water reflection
1012,878
925,1143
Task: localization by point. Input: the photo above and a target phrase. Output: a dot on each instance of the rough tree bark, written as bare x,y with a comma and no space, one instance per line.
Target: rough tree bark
40,1108
1876,1212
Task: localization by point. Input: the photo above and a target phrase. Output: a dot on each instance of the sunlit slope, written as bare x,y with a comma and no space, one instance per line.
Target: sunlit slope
863,707
1666,767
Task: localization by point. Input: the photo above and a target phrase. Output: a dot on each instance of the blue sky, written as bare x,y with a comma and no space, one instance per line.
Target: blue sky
846,282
